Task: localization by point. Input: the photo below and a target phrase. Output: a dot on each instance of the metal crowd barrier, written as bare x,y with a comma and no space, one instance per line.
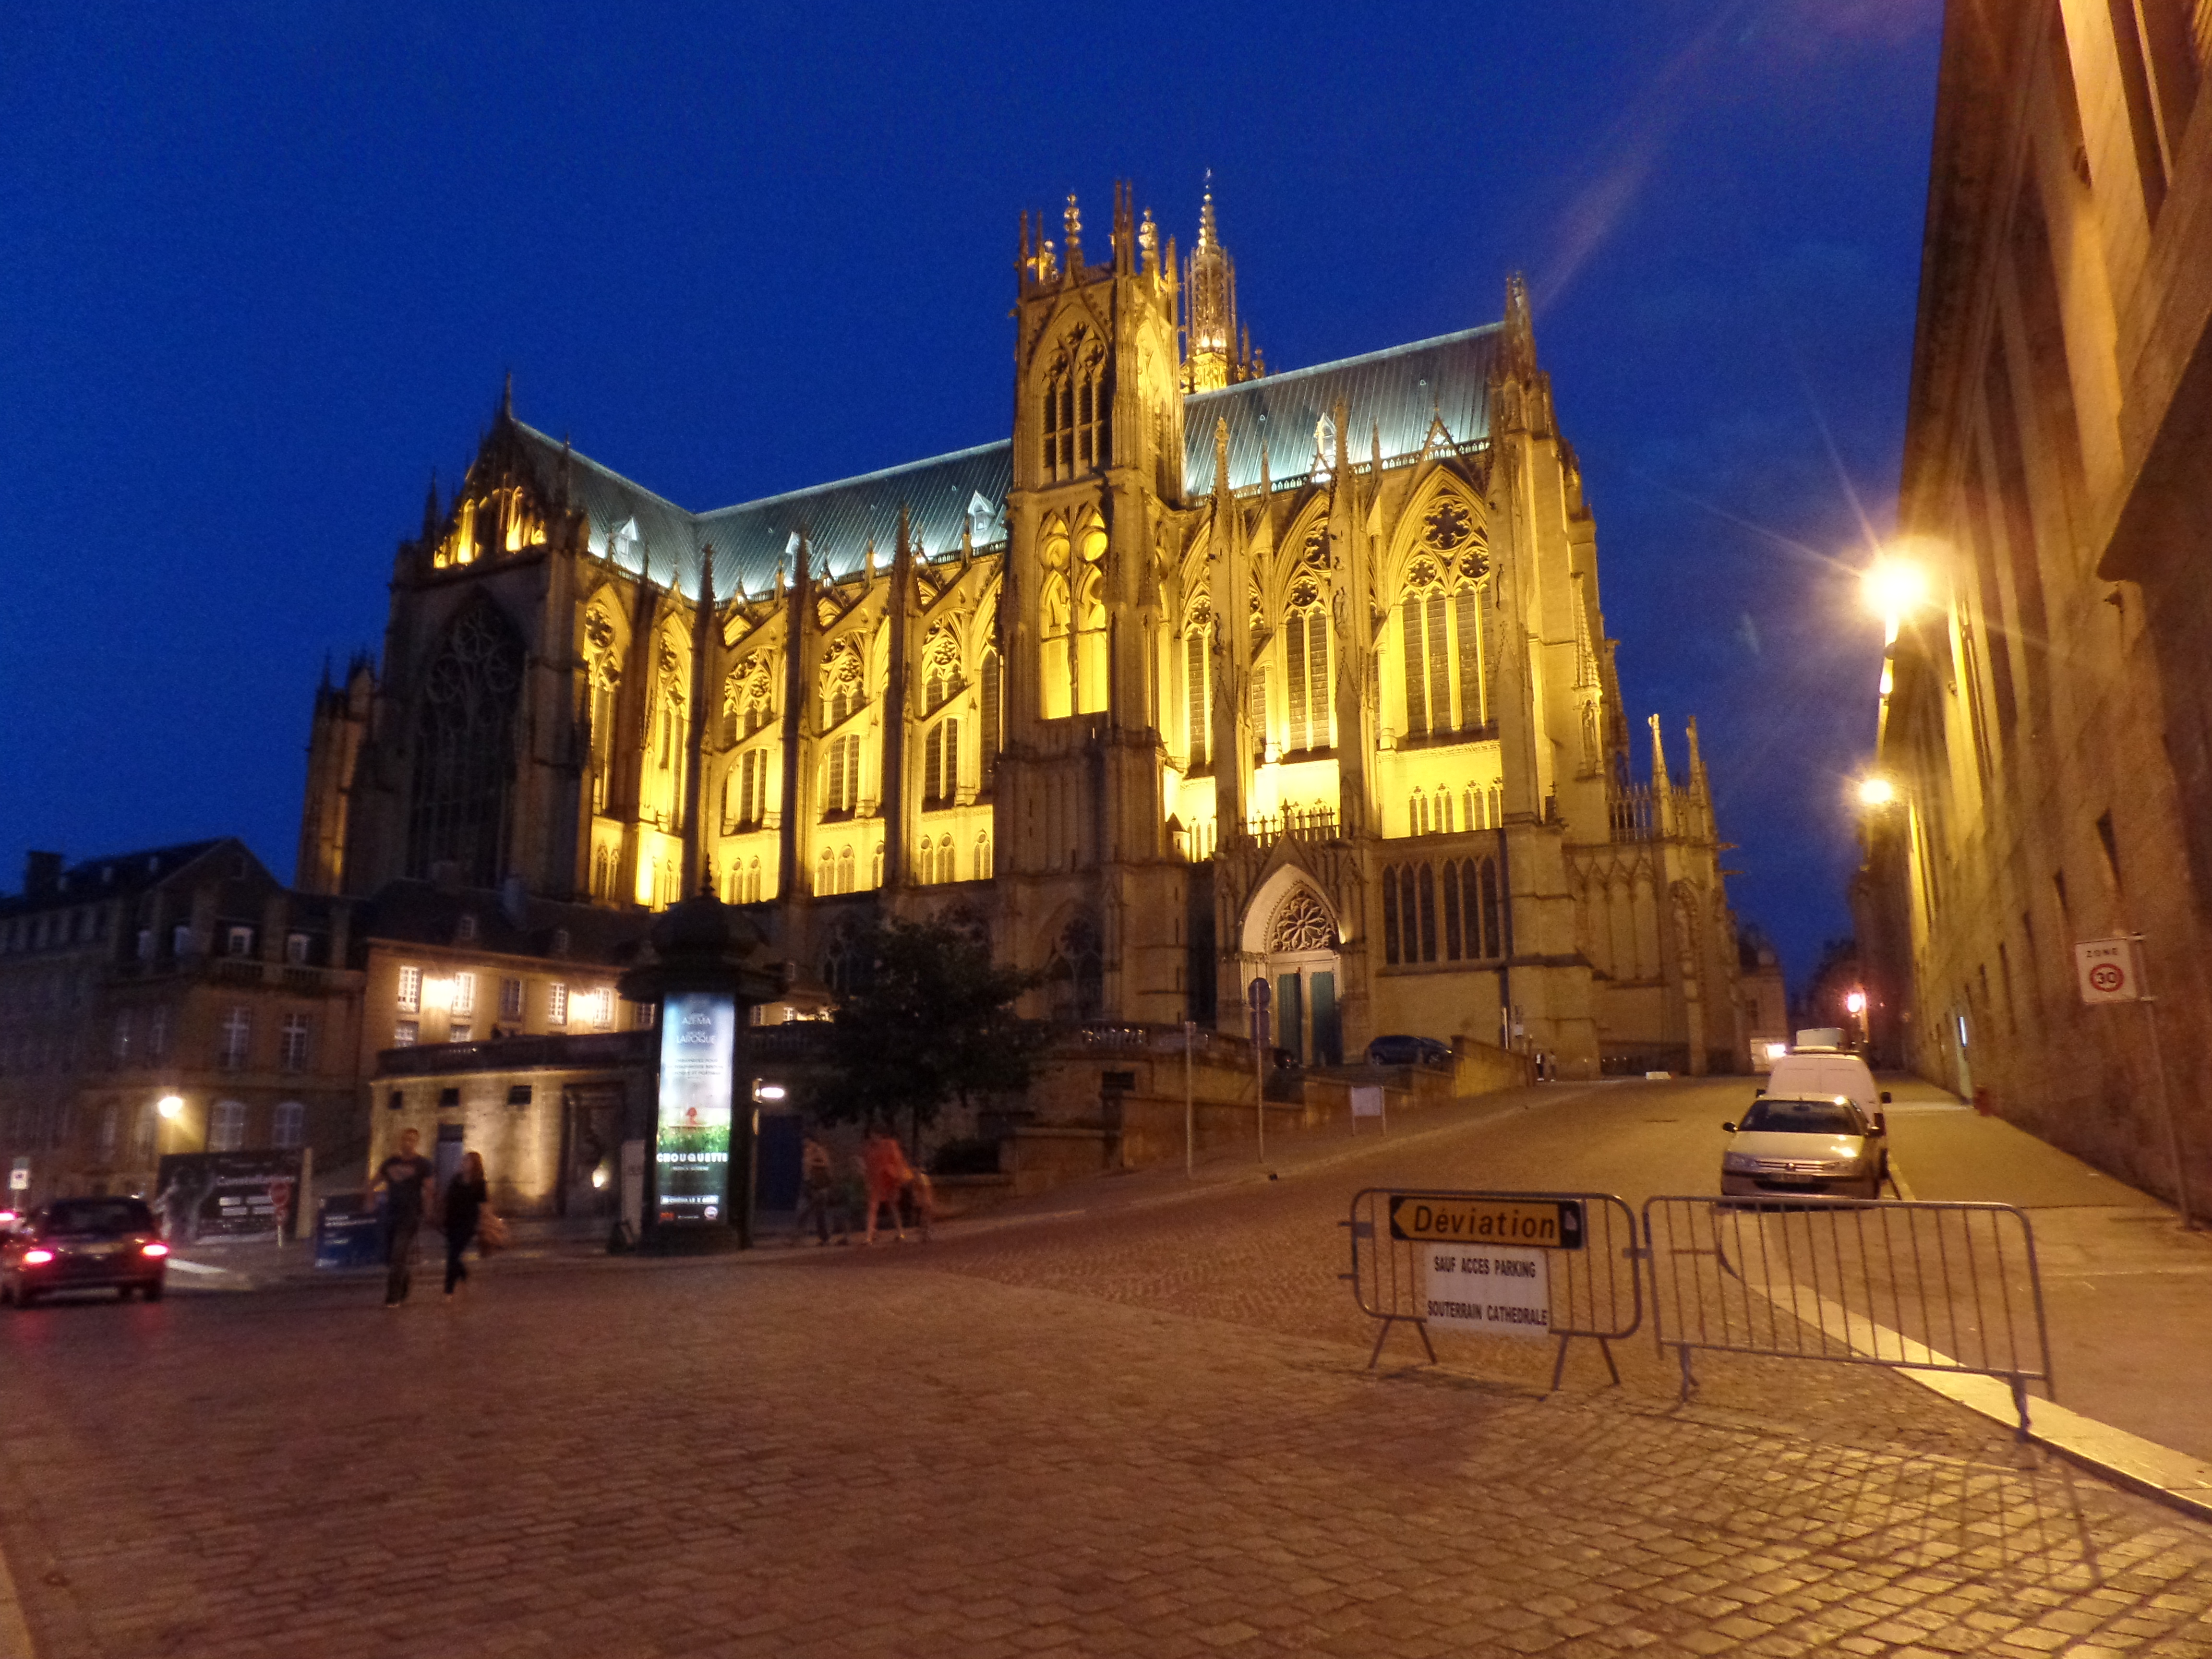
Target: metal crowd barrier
1944,1287
1594,1288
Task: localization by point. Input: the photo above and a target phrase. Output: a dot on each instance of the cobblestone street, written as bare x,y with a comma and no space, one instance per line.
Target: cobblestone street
1146,1430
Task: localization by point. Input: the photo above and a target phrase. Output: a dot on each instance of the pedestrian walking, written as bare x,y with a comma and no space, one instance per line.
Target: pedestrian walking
409,1182
923,1196
467,1206
817,1190
888,1175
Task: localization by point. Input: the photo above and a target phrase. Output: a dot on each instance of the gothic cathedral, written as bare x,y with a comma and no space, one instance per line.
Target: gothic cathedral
1209,674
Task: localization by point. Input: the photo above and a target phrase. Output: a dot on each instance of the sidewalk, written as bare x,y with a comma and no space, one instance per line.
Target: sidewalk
230,1268
2128,1294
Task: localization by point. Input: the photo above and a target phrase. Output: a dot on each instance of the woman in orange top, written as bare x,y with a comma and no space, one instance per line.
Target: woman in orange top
888,1173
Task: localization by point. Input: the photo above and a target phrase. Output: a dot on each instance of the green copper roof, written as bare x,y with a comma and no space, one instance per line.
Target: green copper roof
1400,393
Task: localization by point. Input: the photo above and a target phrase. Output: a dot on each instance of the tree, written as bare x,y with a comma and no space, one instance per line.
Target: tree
927,1017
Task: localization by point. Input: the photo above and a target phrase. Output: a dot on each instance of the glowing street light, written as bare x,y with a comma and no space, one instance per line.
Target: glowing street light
1856,1002
1894,588
171,1106
1875,791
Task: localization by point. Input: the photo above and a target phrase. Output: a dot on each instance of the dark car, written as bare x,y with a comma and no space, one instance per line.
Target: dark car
1408,1051
85,1244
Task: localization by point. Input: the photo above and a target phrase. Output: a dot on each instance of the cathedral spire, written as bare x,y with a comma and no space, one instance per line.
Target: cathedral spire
430,516
1520,344
1212,355
507,398
1072,224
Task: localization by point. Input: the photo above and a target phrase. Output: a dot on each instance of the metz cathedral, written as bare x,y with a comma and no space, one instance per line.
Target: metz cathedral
1206,673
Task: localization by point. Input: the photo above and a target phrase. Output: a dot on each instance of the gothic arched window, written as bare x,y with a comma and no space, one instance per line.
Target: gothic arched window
1077,395
1075,977
940,762
1089,576
994,717
1305,670
1198,686
462,799
1055,668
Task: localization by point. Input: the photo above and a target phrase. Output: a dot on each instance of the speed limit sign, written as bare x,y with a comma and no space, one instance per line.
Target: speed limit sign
2108,970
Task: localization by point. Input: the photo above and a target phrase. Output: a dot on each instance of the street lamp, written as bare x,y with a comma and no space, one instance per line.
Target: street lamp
1894,588
1876,791
171,1106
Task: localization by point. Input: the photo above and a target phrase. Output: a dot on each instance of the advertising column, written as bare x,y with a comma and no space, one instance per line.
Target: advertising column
698,1063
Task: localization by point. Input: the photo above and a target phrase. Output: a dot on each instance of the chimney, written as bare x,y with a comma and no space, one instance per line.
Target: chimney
42,874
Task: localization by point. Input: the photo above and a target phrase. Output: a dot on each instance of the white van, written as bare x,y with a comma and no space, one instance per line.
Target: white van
1823,1075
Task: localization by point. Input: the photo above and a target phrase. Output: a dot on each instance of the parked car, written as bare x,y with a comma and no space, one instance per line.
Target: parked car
85,1244
1408,1051
1822,1145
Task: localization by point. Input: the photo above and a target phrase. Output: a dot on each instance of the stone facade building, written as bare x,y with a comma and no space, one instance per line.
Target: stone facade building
186,972
2046,722
1204,674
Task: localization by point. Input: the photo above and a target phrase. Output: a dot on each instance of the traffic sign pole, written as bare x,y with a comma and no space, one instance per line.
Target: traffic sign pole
1189,1107
1257,996
2158,1070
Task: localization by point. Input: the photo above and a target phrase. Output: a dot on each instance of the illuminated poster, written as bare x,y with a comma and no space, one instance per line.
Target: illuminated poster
698,1060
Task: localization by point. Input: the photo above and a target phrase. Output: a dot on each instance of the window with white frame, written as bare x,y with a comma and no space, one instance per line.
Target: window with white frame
239,942
411,990
557,1004
465,993
226,1125
236,1040
293,1050
295,949
460,1031
603,1009
510,999
289,1127
406,1034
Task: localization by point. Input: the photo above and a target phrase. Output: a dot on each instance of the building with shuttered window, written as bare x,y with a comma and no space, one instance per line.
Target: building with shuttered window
2046,719
1206,674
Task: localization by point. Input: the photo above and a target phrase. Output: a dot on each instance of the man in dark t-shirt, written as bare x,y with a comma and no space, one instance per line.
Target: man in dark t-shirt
409,1182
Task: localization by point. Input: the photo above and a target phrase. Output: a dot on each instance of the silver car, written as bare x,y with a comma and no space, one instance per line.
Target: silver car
1824,1145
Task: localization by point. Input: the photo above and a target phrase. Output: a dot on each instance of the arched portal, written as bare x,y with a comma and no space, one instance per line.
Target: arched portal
1292,935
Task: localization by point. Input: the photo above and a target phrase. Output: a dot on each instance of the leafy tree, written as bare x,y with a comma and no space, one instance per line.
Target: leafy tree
928,1017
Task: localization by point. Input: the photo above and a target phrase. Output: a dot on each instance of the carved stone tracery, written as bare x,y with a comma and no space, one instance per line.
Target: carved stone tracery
1301,922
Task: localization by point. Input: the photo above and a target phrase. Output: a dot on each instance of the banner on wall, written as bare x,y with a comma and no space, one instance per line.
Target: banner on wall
698,1064
210,1196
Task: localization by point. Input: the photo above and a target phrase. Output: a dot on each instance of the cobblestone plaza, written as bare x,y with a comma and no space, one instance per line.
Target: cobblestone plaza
1145,1426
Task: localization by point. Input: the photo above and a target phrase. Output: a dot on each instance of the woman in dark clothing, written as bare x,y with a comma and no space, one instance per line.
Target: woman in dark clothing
465,1196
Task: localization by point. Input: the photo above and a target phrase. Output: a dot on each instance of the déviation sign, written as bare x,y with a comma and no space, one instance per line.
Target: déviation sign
1528,1223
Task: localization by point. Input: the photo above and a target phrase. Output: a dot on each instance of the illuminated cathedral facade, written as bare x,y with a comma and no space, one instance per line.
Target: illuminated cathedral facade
1206,674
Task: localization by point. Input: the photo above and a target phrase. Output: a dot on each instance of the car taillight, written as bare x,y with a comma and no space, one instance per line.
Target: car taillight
37,1258
155,1249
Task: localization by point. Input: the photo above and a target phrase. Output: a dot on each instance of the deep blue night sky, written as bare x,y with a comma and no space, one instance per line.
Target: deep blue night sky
262,268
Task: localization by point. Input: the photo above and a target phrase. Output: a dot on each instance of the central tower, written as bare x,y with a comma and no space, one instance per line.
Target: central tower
1096,477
